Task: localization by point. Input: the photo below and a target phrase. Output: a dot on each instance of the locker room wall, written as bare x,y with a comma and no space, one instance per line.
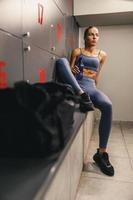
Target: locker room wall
33,34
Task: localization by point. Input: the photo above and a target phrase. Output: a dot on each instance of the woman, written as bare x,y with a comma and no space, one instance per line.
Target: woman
85,65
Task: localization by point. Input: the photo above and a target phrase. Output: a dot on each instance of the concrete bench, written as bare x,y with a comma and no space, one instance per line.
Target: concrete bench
69,166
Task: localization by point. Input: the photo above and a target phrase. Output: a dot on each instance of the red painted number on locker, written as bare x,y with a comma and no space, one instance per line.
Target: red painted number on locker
59,32
40,13
42,75
3,75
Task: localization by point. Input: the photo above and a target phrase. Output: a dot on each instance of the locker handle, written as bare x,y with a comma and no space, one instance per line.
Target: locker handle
53,48
28,48
53,58
26,34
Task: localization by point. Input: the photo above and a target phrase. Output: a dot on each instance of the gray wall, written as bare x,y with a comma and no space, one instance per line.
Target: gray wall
103,12
116,78
102,6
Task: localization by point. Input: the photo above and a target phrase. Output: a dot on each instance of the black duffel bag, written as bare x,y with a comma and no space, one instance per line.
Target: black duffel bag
35,119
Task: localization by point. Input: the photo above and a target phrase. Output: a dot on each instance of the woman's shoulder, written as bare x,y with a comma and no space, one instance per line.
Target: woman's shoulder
102,53
76,51
102,56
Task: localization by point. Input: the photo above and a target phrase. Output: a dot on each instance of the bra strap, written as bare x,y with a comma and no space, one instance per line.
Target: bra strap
80,51
99,53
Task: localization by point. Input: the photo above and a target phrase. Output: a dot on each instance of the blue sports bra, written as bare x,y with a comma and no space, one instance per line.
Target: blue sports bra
89,62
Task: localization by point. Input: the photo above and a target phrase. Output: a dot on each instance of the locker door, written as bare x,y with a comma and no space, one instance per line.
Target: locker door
66,6
11,16
62,5
38,64
11,69
69,7
75,34
72,35
36,25
68,38
57,30
45,23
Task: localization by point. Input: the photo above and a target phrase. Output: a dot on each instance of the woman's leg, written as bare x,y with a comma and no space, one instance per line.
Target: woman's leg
64,74
103,103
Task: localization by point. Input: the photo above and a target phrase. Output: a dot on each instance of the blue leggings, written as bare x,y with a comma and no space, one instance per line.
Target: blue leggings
99,99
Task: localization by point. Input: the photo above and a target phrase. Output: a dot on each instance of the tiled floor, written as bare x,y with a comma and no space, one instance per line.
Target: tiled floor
96,186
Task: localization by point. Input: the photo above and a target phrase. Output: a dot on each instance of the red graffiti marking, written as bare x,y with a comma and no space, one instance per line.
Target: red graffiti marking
42,75
59,32
3,76
40,13
2,63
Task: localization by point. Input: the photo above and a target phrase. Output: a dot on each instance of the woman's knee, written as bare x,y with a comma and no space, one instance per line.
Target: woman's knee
62,63
107,106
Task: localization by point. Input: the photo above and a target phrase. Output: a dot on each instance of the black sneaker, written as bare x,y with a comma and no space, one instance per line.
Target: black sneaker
85,103
102,160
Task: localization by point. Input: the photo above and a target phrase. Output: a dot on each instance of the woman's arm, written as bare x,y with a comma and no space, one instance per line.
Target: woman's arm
102,58
75,53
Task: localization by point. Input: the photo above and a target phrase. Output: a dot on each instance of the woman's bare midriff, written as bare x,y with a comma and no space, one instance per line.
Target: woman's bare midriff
89,73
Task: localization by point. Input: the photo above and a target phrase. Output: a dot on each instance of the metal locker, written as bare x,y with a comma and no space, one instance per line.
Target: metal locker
68,36
36,24
66,6
69,7
57,30
11,69
62,5
38,64
72,35
75,34
43,25
11,16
